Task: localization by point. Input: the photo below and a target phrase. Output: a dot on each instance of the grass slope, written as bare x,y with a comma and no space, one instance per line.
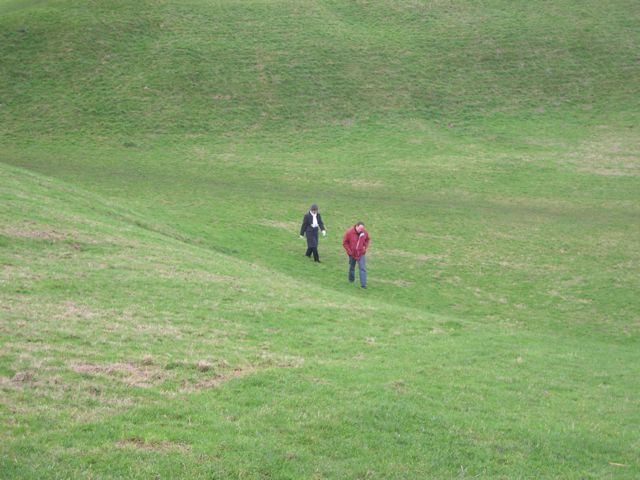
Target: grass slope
215,68
128,352
158,318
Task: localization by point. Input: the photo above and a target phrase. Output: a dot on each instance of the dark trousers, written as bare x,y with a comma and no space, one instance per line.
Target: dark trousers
312,244
313,250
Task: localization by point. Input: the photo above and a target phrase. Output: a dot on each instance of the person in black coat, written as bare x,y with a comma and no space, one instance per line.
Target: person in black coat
311,224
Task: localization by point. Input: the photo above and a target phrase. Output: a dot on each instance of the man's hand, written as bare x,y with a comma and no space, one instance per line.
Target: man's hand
324,233
301,236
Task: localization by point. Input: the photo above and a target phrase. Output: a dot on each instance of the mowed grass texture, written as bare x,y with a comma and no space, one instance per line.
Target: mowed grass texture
158,318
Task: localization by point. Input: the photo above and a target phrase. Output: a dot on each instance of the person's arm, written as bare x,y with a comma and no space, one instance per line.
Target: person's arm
321,224
366,243
345,244
304,225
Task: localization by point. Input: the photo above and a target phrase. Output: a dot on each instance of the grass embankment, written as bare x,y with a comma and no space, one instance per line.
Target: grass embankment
158,317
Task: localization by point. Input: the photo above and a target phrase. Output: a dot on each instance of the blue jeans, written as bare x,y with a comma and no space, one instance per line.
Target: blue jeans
363,270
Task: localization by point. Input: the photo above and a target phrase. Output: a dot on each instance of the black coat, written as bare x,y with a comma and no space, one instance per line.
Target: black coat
311,233
307,220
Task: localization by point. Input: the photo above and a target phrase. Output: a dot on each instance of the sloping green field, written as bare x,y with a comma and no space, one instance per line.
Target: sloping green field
158,318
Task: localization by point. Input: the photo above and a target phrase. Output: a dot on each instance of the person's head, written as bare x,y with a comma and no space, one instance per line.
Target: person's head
314,208
359,227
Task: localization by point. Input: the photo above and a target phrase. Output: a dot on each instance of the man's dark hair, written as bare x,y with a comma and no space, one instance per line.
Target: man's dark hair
359,223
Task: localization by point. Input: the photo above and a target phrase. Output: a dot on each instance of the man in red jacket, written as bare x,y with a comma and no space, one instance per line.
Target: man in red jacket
356,242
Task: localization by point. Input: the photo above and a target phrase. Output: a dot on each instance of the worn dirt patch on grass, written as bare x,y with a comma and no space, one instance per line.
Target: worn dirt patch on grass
133,375
22,377
264,361
220,378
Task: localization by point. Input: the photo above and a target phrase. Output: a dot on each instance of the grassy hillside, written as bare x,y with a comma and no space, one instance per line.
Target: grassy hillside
216,67
128,352
158,317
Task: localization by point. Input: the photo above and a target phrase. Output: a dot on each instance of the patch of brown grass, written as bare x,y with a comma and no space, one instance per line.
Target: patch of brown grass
204,365
73,310
159,329
397,282
34,232
436,237
29,229
22,377
420,257
133,375
359,183
61,314
609,157
171,273
346,122
265,360
151,445
18,273
286,225
220,378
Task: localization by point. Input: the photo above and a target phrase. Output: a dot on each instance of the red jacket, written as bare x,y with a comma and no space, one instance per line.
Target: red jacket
355,244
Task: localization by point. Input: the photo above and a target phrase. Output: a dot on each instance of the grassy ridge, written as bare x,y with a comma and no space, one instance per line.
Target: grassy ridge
157,315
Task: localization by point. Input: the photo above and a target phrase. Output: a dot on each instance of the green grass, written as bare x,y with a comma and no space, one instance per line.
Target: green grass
158,319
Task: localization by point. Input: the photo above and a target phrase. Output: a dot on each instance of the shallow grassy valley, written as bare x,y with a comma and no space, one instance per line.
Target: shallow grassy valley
158,318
